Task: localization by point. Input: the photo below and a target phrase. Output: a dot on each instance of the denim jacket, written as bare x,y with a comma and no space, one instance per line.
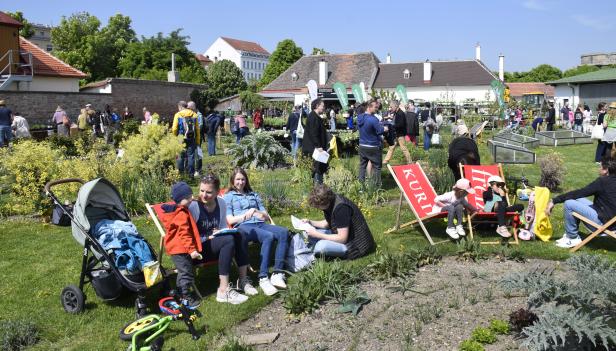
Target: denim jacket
239,203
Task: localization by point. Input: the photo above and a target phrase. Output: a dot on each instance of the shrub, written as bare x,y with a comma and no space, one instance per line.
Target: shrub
499,327
471,345
154,148
339,179
552,171
483,335
275,195
469,250
18,335
258,151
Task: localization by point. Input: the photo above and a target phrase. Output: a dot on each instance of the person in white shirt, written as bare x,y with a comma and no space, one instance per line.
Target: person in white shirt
454,202
20,127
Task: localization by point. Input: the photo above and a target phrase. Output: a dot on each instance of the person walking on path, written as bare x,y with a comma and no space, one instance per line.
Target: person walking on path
315,137
429,125
400,129
242,127
412,123
292,123
62,122
551,120
370,146
212,122
186,124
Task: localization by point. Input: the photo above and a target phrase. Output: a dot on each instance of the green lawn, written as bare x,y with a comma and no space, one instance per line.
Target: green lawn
37,260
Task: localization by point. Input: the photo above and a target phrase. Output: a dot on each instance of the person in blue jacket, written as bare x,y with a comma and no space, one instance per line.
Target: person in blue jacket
370,145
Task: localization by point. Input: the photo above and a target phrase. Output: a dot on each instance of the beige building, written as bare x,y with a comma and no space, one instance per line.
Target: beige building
42,37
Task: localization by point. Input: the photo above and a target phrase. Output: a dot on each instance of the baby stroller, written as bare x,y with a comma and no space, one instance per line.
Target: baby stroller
98,200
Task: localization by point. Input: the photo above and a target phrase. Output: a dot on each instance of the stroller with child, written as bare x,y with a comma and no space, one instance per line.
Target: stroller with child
116,269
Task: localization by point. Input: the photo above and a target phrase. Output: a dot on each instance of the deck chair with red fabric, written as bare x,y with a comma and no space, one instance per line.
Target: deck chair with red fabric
416,188
478,176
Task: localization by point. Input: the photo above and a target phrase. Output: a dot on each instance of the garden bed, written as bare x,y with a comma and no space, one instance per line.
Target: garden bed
517,140
503,152
562,137
446,303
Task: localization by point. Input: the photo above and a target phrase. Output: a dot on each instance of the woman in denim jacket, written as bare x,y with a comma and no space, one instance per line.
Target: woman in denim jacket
245,211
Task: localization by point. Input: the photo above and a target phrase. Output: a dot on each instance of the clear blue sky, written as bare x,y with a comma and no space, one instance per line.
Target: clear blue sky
527,32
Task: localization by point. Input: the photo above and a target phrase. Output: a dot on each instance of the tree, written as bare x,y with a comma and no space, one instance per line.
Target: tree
118,34
319,51
250,100
26,31
225,79
542,73
286,54
204,100
150,58
579,70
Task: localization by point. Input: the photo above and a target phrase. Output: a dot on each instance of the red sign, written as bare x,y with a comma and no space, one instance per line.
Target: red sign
416,187
478,176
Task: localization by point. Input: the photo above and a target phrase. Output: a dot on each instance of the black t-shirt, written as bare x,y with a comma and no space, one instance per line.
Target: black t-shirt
341,218
208,222
5,116
600,117
578,116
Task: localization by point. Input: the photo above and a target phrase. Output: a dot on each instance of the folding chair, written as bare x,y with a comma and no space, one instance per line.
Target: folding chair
599,229
478,177
420,195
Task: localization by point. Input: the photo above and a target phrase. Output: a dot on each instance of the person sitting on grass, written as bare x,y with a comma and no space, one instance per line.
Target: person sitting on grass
601,210
245,211
454,202
344,232
210,214
495,200
182,242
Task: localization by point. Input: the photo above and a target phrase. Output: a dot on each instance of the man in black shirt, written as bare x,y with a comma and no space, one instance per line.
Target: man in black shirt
400,133
292,123
600,211
315,137
6,120
551,117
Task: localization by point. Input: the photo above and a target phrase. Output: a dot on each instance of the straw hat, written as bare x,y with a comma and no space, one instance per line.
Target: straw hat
613,105
461,130
2,103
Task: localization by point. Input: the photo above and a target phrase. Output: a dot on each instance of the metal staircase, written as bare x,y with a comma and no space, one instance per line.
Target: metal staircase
21,71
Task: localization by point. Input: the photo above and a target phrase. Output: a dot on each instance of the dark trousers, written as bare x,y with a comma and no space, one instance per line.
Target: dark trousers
186,160
211,144
186,272
225,248
318,169
601,148
502,209
550,127
375,156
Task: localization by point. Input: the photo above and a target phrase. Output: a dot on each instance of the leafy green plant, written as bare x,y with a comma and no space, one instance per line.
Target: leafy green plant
469,250
275,194
18,335
499,327
471,345
139,189
521,318
258,151
483,335
339,179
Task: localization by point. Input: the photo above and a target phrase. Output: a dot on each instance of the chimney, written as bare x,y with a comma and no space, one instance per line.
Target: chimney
501,67
173,76
388,59
478,52
427,66
322,72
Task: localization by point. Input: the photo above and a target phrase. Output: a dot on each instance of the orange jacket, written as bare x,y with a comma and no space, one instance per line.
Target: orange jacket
182,234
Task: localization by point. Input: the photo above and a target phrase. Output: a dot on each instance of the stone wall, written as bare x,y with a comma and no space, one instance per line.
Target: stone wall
157,96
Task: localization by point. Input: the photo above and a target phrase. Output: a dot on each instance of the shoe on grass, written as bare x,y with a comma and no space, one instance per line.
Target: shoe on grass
460,230
246,286
277,280
562,240
192,301
231,296
452,232
503,231
569,243
267,287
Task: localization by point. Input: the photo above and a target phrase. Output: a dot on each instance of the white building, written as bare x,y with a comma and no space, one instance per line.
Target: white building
250,57
42,37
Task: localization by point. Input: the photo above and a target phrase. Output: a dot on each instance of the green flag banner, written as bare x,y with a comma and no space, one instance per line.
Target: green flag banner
341,92
401,92
358,93
499,90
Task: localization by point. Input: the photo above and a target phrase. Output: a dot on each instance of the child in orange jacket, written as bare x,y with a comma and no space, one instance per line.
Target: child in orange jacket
182,241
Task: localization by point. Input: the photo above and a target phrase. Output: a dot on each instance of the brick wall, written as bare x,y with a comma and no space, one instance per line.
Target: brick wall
157,96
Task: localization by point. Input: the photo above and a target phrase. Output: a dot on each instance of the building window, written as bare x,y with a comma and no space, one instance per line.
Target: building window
49,48
406,73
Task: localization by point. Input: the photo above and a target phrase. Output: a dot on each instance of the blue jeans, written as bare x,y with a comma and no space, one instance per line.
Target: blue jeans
186,160
426,140
211,145
580,206
265,234
294,144
328,248
241,132
5,135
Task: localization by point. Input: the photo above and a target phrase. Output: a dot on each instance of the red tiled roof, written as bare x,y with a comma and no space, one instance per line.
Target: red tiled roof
8,20
519,89
203,59
245,45
47,65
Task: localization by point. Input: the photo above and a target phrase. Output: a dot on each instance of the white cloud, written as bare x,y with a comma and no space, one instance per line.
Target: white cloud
593,23
535,5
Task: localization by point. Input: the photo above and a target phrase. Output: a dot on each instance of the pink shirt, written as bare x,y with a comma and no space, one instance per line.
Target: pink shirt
241,121
147,117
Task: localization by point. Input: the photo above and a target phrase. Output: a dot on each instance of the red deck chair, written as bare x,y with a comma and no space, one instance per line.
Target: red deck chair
478,176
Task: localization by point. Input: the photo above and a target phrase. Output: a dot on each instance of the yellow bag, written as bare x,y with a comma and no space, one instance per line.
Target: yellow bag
543,226
333,146
152,274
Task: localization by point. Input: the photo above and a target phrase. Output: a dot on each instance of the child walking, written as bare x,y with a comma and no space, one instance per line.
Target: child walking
495,200
454,203
182,242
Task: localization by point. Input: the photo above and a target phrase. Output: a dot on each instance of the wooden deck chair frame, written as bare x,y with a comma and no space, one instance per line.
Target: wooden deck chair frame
598,230
488,217
417,219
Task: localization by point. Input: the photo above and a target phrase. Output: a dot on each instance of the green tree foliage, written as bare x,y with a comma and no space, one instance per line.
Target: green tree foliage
319,51
225,79
150,58
579,70
204,99
26,31
283,57
541,73
250,100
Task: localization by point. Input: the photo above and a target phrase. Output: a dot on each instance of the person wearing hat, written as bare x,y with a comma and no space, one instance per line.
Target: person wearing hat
462,150
6,120
454,202
495,200
182,241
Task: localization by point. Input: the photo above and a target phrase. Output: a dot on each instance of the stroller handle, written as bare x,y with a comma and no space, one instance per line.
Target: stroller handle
62,181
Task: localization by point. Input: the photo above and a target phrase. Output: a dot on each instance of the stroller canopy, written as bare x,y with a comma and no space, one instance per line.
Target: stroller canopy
97,199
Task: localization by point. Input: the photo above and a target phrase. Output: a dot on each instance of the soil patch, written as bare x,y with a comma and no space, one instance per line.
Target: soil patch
446,303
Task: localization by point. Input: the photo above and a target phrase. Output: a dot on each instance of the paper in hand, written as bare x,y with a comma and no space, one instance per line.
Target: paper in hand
321,156
299,225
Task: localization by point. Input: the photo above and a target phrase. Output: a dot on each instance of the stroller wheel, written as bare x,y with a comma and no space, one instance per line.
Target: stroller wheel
73,299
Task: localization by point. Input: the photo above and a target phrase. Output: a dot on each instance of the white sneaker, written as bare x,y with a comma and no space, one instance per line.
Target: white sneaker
196,174
569,243
562,240
277,280
451,231
503,231
246,286
267,287
231,296
460,230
